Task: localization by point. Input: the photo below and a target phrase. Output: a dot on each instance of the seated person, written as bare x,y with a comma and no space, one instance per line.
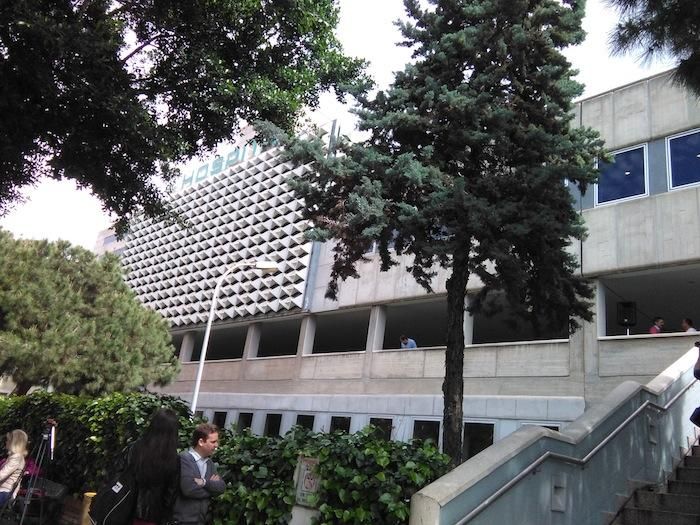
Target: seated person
13,468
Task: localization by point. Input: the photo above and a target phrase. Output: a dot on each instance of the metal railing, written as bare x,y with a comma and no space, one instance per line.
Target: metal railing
570,459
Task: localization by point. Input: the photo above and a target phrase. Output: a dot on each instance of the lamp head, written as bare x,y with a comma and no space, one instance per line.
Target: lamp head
266,267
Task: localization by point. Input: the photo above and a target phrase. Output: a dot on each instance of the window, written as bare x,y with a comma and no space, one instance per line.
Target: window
199,414
272,425
477,437
219,419
340,423
684,158
383,424
306,421
426,430
245,419
622,178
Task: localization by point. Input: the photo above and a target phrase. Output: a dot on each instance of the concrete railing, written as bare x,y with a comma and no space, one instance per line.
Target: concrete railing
576,476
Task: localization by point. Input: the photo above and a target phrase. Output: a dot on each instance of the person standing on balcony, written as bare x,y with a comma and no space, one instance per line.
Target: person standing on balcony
658,326
407,342
687,326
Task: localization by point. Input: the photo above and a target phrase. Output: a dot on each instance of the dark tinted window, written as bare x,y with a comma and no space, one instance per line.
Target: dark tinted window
306,421
623,177
477,437
383,424
272,424
245,419
340,423
684,152
219,419
426,430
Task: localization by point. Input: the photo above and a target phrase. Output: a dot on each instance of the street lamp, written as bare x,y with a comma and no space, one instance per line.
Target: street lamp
266,267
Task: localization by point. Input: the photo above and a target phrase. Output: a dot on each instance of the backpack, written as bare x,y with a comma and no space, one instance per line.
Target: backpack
115,502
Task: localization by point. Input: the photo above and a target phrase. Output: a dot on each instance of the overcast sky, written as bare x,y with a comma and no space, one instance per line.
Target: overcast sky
58,210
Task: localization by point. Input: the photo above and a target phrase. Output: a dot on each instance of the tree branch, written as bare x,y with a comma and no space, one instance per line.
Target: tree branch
139,48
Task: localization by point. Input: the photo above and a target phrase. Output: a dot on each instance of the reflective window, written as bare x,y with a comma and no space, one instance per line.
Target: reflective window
684,159
622,178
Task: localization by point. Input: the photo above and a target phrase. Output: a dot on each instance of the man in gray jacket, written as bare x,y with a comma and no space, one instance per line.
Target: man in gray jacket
198,478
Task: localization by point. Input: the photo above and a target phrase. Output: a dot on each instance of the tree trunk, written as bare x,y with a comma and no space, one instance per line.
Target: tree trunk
453,386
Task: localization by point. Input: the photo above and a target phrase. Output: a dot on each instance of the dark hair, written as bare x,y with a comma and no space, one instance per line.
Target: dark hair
154,455
403,337
202,431
657,318
688,321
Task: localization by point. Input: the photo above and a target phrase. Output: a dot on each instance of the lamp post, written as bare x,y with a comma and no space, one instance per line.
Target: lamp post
267,267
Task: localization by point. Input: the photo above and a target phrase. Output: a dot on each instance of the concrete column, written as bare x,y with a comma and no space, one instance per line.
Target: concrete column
468,323
375,337
600,309
186,347
590,332
375,332
307,332
252,341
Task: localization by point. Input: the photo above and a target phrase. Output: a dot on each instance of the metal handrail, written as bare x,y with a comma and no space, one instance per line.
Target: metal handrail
571,459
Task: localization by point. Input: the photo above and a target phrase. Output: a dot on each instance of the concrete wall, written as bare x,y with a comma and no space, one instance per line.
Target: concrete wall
558,491
636,113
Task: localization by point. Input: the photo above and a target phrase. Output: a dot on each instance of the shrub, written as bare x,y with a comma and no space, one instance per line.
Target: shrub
364,478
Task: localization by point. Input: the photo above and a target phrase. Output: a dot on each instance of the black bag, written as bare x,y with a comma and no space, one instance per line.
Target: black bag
695,417
115,503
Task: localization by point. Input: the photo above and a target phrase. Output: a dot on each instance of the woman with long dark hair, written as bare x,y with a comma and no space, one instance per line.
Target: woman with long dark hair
153,459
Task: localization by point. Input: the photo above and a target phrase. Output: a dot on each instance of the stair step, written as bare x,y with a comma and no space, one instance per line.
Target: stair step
695,450
691,461
637,516
688,474
667,502
684,487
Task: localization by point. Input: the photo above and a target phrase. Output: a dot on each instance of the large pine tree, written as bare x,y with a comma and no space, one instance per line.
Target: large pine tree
465,166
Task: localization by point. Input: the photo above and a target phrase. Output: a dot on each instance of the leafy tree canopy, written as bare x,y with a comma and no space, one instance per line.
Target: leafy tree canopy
70,321
465,166
112,93
661,28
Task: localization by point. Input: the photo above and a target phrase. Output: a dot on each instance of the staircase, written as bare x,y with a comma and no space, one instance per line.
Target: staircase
678,505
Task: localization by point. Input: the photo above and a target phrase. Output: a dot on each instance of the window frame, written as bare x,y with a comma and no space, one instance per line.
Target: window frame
645,153
669,169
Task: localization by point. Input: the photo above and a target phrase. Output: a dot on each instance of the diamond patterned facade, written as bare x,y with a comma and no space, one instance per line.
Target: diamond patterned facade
247,213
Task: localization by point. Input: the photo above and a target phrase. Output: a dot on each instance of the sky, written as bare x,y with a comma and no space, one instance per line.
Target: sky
59,210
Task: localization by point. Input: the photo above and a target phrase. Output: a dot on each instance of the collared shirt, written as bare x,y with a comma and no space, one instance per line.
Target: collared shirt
200,461
410,343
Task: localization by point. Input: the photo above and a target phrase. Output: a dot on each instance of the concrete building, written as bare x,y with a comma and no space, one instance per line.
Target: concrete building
283,354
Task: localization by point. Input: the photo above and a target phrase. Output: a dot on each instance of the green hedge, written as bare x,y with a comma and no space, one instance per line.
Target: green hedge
364,478
92,432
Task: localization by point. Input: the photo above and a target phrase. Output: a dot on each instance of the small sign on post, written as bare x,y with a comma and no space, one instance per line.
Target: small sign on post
307,481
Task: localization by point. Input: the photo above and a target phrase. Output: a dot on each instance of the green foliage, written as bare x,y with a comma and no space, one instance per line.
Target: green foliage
111,94
365,479
464,167
92,432
661,29
70,321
